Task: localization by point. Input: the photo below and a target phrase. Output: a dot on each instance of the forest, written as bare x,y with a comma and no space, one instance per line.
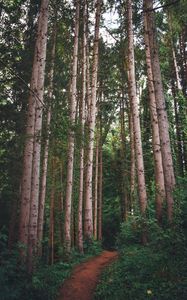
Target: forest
93,149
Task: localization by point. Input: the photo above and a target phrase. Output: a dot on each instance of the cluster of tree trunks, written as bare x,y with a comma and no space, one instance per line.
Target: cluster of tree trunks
29,203
85,222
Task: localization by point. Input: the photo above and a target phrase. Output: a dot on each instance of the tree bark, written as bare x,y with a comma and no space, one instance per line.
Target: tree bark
124,195
34,197
36,95
135,114
46,145
132,162
158,168
100,191
177,93
88,217
96,186
161,112
52,213
71,138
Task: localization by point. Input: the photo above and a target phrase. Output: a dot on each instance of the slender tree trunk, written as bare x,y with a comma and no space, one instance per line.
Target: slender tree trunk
60,211
71,138
161,112
159,175
176,69
96,185
183,61
88,217
100,191
46,146
124,197
52,212
177,92
179,141
61,203
34,196
82,120
37,81
132,161
135,115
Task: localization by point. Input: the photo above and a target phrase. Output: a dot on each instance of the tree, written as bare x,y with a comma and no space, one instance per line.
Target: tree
161,111
88,217
31,156
46,143
82,121
135,114
159,175
71,137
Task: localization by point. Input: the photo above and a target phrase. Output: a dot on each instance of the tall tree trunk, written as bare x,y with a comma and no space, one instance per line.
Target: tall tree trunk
96,186
71,137
82,120
159,175
177,92
52,213
34,197
61,203
88,217
135,114
60,211
100,191
124,196
46,145
132,162
161,111
35,99
183,60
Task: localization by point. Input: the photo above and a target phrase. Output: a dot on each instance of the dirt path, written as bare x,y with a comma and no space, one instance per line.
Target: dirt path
83,281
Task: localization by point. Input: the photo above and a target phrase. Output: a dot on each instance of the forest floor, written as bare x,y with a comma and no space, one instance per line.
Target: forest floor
82,283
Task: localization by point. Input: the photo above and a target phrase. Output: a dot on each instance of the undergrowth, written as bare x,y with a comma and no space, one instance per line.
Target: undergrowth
16,284
156,271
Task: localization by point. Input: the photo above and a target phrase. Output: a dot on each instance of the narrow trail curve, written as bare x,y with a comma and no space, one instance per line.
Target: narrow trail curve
83,281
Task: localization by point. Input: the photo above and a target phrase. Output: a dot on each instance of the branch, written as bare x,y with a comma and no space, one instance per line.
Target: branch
23,81
162,6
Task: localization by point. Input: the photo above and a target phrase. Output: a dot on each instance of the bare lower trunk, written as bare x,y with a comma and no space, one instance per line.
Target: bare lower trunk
179,141
88,218
60,211
34,196
135,115
124,196
96,186
159,175
71,138
36,96
82,120
132,167
51,219
80,205
161,112
46,148
100,192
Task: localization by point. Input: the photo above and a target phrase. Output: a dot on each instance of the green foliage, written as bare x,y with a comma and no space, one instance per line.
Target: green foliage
16,284
13,277
130,231
47,280
111,222
92,247
155,271
142,273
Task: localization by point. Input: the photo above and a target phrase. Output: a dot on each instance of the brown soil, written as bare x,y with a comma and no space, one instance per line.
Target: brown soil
83,281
